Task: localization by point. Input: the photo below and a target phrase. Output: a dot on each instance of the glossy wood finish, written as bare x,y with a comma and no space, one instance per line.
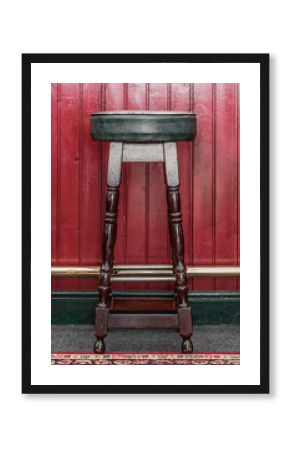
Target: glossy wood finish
183,319
177,245
143,321
139,304
108,245
208,169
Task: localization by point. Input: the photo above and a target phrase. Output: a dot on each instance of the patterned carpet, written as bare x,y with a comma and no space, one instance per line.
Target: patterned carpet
145,358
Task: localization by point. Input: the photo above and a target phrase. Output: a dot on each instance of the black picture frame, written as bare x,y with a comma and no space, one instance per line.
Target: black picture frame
263,61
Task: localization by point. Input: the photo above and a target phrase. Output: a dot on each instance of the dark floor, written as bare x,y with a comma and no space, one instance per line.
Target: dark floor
206,338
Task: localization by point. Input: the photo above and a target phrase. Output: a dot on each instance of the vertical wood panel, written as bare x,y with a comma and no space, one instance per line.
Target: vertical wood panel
68,207
79,161
226,181
54,180
203,182
91,184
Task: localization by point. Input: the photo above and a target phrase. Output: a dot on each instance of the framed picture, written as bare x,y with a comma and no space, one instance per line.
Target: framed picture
171,150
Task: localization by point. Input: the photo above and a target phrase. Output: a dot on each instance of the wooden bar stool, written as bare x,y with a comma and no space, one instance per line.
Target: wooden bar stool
146,136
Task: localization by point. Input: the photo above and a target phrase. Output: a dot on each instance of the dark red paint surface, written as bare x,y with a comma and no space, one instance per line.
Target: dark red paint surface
209,176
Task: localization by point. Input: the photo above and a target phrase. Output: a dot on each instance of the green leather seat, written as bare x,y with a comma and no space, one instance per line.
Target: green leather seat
143,126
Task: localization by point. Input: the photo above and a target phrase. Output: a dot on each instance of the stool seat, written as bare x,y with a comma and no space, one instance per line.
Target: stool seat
143,126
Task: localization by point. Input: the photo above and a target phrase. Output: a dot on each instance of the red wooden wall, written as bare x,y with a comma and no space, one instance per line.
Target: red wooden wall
209,174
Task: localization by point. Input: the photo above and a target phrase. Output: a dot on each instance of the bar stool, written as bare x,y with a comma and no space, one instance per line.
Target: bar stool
146,136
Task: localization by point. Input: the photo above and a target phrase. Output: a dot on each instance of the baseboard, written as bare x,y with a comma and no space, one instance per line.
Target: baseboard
212,308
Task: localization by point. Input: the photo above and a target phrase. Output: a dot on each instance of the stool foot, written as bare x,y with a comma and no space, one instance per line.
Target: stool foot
99,346
187,346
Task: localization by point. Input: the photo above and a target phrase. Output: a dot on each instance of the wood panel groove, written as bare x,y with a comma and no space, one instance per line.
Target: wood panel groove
169,96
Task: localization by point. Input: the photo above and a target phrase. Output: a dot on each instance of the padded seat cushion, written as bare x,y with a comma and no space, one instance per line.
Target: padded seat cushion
143,126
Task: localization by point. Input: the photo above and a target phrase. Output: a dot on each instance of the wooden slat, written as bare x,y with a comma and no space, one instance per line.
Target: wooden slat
91,226
226,180
203,182
143,304
54,180
68,184
143,321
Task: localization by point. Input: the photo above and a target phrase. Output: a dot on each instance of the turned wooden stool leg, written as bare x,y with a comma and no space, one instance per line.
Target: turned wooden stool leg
108,244
177,244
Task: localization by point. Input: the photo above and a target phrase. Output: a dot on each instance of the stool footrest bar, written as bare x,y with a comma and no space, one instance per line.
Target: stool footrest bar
146,273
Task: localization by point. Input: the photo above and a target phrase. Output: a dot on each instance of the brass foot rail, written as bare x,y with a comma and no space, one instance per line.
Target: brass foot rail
146,272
